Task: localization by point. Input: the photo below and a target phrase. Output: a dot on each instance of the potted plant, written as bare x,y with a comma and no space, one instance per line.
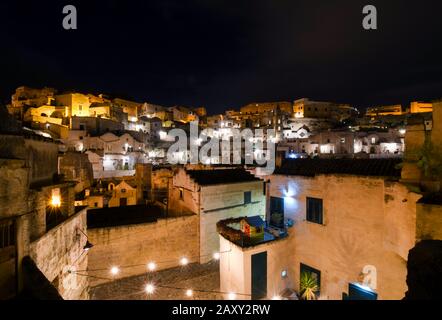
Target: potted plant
309,286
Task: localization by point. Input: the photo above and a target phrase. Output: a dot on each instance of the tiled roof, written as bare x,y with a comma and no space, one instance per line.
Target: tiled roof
221,176
358,167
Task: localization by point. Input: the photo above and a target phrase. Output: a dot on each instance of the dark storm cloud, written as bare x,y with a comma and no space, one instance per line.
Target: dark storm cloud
223,54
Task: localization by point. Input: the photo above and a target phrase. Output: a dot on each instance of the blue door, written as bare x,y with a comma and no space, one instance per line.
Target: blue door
259,276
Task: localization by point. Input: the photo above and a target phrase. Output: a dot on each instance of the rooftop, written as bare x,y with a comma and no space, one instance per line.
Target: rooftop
120,216
358,167
221,176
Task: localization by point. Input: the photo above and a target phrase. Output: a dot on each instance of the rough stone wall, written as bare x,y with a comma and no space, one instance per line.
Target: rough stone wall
428,222
61,250
42,158
164,242
75,166
367,221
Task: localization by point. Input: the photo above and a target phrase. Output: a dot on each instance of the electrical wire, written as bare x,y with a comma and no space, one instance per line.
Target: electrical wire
168,287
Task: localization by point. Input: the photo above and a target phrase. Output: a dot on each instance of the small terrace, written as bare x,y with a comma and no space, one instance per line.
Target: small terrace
249,231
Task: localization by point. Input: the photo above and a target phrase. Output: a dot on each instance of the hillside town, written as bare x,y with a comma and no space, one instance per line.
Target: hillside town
93,205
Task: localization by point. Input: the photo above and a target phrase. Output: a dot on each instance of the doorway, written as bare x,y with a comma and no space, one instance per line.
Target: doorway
123,202
259,276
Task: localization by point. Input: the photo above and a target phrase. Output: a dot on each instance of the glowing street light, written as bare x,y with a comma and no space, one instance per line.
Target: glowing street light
232,296
150,288
189,293
216,256
151,266
184,261
114,271
276,298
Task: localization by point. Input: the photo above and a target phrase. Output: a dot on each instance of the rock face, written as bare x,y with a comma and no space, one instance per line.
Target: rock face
424,278
8,124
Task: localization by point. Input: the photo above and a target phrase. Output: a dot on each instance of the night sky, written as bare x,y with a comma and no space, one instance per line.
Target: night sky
224,54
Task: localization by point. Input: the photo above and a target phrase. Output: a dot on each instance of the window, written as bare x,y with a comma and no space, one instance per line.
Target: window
342,140
80,108
181,194
7,234
277,212
264,188
314,210
247,197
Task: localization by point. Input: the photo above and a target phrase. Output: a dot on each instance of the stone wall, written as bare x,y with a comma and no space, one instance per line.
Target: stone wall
164,242
61,250
236,267
221,202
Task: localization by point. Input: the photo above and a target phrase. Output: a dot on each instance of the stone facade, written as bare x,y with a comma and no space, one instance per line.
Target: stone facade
212,204
367,221
61,250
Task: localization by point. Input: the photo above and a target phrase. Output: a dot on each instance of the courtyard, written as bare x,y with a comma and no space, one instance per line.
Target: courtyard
170,284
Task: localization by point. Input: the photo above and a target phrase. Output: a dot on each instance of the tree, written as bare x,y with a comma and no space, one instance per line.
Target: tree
309,286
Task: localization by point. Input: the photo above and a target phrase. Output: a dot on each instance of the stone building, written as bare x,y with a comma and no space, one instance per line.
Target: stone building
384,111
183,114
109,194
76,104
38,222
344,143
25,97
256,108
421,107
350,225
306,108
214,195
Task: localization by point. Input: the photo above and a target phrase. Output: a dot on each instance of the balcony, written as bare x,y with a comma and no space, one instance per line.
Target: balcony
234,231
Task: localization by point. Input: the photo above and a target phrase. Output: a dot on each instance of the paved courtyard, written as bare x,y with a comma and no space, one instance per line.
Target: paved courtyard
195,276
